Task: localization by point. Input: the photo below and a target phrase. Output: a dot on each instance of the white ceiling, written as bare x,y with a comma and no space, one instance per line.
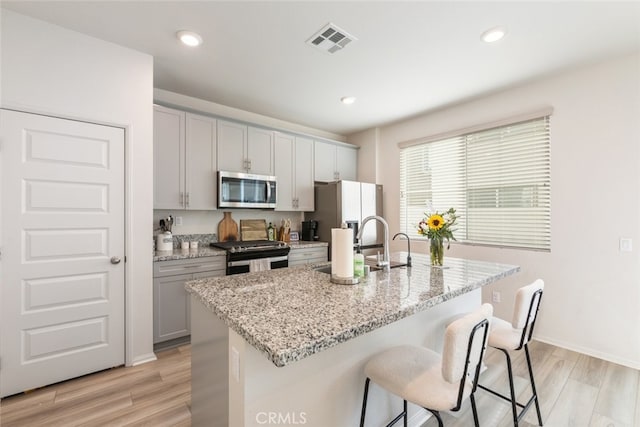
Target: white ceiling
410,57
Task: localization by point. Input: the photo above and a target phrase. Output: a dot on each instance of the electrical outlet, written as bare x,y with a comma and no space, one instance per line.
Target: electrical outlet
178,220
495,296
626,244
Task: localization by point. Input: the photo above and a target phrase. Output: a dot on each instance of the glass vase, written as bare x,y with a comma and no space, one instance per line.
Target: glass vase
436,250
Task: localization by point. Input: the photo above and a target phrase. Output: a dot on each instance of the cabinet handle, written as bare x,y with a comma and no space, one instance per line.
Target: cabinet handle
181,198
249,163
187,203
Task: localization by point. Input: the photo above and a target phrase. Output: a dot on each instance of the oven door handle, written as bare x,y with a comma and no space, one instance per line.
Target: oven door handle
248,261
268,191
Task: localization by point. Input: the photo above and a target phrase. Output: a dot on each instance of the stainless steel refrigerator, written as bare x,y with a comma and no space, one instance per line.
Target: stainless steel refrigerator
349,202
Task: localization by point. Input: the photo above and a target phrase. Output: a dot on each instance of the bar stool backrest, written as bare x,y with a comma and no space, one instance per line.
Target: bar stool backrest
526,309
465,341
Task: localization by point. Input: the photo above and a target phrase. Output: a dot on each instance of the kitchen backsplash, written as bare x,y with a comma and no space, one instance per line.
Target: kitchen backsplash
206,222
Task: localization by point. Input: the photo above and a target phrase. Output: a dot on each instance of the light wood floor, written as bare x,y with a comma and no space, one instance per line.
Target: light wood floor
574,389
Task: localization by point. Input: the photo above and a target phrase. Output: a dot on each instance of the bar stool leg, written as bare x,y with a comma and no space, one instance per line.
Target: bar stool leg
437,415
474,410
533,384
406,418
364,401
514,408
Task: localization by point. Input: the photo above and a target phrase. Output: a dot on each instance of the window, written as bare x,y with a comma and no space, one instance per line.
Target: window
497,179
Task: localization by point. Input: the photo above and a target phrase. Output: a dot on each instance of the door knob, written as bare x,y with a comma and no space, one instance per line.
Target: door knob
115,260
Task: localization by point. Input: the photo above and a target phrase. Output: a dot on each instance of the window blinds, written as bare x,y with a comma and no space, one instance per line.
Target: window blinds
497,179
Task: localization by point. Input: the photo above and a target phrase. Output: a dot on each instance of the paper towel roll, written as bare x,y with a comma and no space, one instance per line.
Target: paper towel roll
342,252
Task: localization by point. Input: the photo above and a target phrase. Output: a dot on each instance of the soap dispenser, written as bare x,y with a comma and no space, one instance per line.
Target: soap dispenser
358,263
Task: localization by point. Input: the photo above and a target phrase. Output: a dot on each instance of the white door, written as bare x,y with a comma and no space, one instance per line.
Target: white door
62,293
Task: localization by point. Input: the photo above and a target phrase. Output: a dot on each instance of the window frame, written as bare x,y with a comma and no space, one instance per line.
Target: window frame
527,198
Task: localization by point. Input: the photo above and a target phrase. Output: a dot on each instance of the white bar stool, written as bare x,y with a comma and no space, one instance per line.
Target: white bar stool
422,376
515,336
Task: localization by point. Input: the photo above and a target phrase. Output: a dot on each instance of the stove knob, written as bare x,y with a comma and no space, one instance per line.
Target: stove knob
232,250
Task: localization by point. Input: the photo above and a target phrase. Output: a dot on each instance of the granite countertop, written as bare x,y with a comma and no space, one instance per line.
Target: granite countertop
176,254
291,313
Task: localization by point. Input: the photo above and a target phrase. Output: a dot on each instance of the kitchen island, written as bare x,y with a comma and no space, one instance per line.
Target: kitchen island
287,347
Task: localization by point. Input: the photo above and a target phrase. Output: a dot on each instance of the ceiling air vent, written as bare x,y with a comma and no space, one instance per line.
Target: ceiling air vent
331,38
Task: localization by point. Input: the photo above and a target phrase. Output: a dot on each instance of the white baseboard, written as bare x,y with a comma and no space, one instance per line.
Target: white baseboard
634,364
144,358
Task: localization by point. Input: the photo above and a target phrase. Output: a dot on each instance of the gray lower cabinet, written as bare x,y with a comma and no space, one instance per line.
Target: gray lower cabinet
308,255
171,302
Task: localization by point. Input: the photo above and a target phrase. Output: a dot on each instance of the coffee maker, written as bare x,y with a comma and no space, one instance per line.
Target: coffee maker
309,230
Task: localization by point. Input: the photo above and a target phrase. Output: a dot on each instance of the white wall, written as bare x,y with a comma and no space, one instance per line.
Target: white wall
592,295
368,166
50,70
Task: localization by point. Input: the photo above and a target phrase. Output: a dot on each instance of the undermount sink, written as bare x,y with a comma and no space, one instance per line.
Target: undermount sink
375,267
326,269
371,264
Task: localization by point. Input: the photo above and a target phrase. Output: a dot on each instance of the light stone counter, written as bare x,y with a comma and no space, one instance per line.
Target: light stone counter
316,337
290,314
176,254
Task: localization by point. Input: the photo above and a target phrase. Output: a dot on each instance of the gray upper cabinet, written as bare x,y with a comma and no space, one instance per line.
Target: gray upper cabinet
200,170
168,158
294,170
244,148
189,149
232,138
334,162
184,160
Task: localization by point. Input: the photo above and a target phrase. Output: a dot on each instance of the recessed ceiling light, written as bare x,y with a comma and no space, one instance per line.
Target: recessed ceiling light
189,38
348,100
493,34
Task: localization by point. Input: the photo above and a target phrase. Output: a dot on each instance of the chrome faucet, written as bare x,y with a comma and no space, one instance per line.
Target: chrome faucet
408,246
385,260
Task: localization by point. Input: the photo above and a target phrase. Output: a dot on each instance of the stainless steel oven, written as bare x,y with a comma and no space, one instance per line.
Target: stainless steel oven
244,190
244,256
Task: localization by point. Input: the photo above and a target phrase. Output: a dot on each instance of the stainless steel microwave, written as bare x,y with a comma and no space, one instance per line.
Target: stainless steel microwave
245,190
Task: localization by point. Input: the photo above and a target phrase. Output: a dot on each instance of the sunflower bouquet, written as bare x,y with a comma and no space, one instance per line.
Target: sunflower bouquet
438,227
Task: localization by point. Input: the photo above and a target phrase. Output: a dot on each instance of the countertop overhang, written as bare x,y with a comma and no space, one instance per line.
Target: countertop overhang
292,313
